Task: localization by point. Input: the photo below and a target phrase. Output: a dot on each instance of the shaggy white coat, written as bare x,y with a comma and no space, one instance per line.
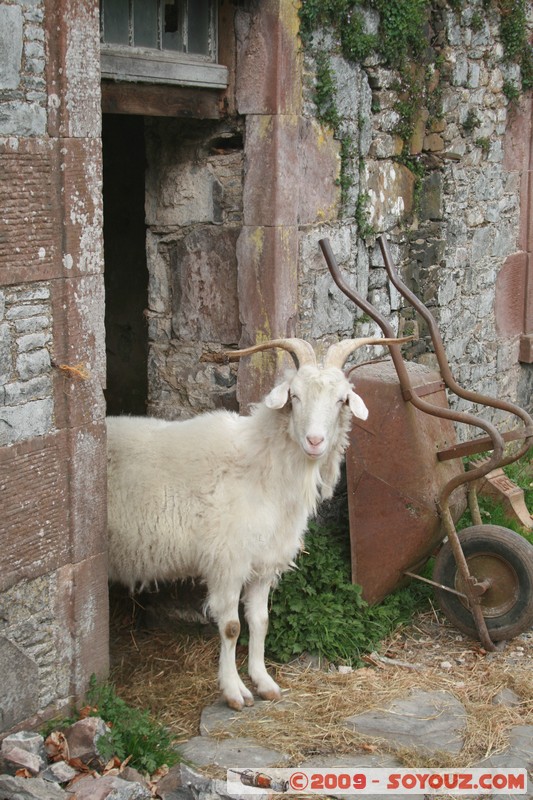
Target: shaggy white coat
226,499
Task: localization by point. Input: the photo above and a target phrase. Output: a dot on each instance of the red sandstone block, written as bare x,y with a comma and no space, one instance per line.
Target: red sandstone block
88,491
267,293
268,59
34,496
79,342
82,611
270,194
509,303
81,169
319,157
525,354
30,223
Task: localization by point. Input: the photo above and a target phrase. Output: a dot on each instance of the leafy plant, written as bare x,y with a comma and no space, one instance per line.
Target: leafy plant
325,92
476,23
364,227
402,35
133,732
471,121
483,142
317,609
348,154
514,36
511,91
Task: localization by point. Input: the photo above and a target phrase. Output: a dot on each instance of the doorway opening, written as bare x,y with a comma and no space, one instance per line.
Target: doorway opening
126,273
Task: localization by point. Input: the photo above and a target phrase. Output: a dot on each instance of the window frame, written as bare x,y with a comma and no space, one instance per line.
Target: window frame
120,62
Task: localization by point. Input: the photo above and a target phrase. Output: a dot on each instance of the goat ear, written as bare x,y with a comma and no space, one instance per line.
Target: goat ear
357,406
278,397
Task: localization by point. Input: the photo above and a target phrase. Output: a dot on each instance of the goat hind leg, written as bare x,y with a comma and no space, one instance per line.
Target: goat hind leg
256,609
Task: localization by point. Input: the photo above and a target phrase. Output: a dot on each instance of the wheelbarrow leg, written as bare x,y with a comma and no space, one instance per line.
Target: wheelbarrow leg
473,589
473,503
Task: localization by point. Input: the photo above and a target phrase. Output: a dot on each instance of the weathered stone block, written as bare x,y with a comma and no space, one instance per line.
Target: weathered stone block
21,422
32,341
29,197
509,295
81,607
34,363
20,692
23,391
433,143
83,213
203,270
180,184
74,70
391,189
270,194
319,193
268,59
267,286
440,717
79,304
431,199
10,46
87,447
35,506
18,118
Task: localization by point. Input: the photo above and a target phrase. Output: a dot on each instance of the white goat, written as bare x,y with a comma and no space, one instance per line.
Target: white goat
227,498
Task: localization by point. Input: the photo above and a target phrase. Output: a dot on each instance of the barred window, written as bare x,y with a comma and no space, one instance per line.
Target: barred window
167,41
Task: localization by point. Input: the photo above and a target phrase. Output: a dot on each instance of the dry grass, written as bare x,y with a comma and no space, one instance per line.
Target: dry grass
174,676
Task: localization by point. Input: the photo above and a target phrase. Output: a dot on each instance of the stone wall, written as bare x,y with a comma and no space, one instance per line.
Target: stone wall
235,206
53,585
22,69
194,216
25,334
455,211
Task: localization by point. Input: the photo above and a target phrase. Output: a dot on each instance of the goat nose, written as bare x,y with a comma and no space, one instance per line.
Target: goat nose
314,441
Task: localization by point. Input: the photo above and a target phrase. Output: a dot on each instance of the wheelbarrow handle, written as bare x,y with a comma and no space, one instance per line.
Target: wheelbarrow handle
449,380
409,393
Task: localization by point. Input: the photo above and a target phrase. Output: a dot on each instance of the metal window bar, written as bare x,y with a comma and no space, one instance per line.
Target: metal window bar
117,25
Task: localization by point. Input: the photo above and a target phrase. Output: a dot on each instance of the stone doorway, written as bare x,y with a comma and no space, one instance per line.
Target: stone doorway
126,273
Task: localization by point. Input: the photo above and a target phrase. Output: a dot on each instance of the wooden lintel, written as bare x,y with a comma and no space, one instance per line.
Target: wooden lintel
161,100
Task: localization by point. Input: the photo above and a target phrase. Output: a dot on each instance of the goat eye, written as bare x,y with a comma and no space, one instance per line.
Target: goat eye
294,397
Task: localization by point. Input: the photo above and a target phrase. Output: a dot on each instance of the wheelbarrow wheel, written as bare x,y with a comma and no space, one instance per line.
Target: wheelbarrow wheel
505,559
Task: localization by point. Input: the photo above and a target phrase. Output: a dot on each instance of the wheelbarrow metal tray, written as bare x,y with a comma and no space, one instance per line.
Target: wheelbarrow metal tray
395,479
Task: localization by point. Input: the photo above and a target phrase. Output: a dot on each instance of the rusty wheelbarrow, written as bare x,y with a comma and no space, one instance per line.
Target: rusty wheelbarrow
407,486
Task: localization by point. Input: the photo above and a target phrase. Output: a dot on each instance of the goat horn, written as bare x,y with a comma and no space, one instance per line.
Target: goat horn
298,348
339,352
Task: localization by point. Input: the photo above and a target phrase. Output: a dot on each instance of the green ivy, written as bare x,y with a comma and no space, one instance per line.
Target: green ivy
402,34
403,43
325,92
471,121
514,36
133,732
364,227
317,609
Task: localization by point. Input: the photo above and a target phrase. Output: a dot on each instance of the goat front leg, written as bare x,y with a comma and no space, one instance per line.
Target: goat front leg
256,609
224,607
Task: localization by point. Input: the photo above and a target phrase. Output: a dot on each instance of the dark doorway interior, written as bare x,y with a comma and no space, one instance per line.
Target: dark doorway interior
126,275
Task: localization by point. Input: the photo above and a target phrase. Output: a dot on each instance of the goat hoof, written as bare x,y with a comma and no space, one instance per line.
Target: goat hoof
271,694
248,701
234,704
